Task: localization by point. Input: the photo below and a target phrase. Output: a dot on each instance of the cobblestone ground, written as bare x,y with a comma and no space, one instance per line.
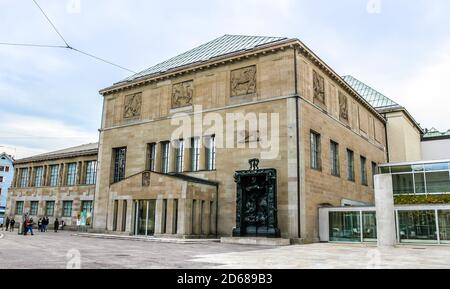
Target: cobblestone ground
58,250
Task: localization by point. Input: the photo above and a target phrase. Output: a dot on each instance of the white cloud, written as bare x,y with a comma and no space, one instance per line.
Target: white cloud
33,135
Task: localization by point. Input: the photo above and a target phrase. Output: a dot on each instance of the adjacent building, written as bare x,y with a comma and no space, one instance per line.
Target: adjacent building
436,145
59,184
6,177
329,140
403,133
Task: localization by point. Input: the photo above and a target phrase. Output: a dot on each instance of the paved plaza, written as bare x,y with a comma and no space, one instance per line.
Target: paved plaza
63,249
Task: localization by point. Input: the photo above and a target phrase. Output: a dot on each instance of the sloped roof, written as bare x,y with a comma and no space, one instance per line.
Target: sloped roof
82,150
374,97
221,46
5,155
434,133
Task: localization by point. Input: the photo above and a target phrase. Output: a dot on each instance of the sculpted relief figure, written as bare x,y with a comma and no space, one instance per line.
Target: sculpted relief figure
182,94
343,106
319,87
132,106
243,81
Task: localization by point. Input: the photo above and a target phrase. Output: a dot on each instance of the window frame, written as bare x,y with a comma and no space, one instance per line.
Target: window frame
90,177
195,154
363,171
64,212
334,159
71,175
315,151
120,164
351,176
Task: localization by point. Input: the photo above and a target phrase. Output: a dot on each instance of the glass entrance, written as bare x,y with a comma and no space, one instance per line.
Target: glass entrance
417,226
145,217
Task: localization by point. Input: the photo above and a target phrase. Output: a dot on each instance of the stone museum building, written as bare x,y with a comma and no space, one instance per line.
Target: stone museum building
59,184
328,139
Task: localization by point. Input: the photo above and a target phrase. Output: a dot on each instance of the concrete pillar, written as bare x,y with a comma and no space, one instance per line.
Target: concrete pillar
159,216
170,217
184,217
206,218
197,218
384,202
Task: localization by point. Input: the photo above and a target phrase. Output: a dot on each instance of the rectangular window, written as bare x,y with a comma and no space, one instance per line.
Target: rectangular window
120,156
1,179
34,208
39,177
363,171
350,165
151,157
91,173
54,176
50,208
195,154
2,168
7,169
86,206
179,156
315,151
67,209
165,148
19,208
334,157
23,178
211,153
374,172
71,174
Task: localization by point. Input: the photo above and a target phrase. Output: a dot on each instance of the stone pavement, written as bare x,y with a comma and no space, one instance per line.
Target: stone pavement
52,250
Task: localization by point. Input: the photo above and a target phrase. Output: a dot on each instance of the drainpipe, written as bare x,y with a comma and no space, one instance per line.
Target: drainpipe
297,124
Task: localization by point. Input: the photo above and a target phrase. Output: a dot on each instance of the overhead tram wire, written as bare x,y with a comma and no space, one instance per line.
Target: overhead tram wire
66,43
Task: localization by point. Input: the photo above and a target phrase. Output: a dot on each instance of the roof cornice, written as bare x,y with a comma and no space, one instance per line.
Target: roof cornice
239,56
59,156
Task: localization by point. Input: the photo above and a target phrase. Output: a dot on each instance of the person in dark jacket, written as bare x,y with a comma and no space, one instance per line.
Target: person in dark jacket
7,222
11,225
56,224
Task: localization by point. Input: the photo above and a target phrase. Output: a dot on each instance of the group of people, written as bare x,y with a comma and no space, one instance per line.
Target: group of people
9,224
28,223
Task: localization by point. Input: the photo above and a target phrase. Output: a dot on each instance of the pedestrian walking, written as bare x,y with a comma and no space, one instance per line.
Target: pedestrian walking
29,226
7,222
40,225
11,225
63,224
56,225
45,222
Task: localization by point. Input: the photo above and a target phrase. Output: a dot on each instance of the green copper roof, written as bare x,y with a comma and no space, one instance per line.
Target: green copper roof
432,133
375,98
221,46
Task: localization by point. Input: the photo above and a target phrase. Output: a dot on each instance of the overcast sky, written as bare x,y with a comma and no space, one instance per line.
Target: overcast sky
49,97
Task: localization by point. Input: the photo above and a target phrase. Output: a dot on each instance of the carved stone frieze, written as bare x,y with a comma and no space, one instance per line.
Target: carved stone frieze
243,81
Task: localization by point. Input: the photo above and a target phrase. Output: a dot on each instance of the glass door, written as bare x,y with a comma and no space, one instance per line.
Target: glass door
145,217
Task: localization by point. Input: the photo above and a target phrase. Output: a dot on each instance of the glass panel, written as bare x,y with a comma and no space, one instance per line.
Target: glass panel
403,184
369,226
401,169
438,182
146,217
418,168
71,174
345,227
91,172
417,226
437,167
420,183
385,170
50,209
444,226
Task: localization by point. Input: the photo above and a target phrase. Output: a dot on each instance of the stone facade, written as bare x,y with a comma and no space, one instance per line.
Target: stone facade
66,192
285,79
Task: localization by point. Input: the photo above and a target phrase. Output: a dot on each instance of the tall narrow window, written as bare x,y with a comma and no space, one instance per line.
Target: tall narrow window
334,157
315,151
19,208
50,209
91,173
24,178
34,206
363,171
350,165
151,157
374,172
179,156
211,153
195,154
39,177
120,156
54,176
165,148
71,174
67,209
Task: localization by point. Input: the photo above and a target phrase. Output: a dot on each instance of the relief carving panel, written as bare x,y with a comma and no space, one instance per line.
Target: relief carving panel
319,88
132,106
243,81
343,106
182,94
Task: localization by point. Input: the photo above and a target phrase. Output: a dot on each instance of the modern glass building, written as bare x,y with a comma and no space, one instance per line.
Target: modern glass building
415,223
